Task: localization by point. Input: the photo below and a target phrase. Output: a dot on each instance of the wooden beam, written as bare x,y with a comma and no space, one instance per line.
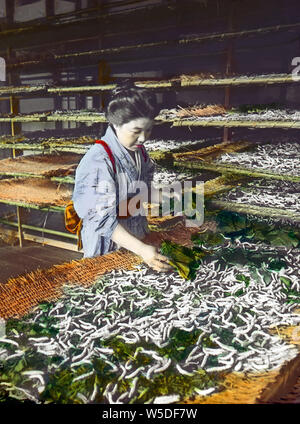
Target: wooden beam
249,209
43,240
39,229
50,8
230,169
227,133
20,230
10,11
51,242
159,45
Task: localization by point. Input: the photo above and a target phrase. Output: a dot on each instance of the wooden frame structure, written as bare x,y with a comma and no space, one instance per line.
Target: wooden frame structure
14,91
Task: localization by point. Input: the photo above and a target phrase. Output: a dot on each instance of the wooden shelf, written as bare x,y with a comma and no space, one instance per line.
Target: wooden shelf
182,42
254,210
230,169
186,81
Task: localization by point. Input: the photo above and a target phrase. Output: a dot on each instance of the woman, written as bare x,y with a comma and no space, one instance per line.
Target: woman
102,182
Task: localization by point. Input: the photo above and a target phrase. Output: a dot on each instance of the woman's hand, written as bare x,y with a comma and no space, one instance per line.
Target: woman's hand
149,253
154,259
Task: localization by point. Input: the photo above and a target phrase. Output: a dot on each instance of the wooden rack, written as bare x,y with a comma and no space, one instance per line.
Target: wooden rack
188,81
14,91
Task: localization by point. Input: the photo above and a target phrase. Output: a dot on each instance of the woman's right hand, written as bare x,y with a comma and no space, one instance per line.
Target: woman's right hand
154,259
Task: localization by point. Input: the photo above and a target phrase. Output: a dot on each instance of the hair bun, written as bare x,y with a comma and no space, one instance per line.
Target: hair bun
122,87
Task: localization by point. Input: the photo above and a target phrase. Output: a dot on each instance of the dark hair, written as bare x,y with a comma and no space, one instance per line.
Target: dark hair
128,103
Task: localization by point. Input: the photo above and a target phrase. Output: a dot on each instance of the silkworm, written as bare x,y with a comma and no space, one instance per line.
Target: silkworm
217,369
222,345
124,371
26,392
121,397
36,376
150,371
9,341
182,371
83,376
47,353
135,373
205,392
211,316
213,352
81,355
82,397
238,366
164,366
15,355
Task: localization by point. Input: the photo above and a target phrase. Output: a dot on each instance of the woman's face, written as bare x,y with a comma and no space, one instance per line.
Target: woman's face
134,132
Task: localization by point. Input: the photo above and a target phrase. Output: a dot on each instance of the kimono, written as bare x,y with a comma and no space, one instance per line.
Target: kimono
98,191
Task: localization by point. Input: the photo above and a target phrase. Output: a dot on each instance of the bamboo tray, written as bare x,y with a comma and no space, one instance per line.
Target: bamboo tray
34,193
40,165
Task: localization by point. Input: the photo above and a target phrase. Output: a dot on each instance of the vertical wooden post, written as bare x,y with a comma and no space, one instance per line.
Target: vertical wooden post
77,4
227,132
10,11
14,106
20,231
14,110
103,78
50,8
97,3
13,102
104,70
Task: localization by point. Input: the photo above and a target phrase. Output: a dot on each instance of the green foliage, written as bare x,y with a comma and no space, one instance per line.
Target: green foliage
286,281
171,382
292,296
46,325
62,389
209,238
182,258
244,279
239,256
180,344
187,206
255,108
276,265
144,312
226,336
235,225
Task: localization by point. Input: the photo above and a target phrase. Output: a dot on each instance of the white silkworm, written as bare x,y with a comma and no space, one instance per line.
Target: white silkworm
9,341
121,397
182,371
202,305
36,376
47,353
82,397
150,371
238,366
135,372
15,355
38,339
205,392
213,352
26,392
217,369
83,376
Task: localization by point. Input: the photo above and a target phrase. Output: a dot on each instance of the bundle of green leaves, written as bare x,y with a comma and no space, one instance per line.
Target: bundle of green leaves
182,258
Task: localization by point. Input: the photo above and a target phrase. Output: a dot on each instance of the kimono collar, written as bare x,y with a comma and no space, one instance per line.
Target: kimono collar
121,152
112,140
